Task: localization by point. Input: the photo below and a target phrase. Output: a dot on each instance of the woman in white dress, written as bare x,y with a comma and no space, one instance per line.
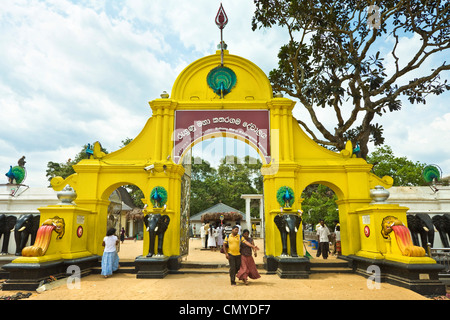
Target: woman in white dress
219,237
212,237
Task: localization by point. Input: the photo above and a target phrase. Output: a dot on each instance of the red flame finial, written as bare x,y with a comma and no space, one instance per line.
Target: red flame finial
221,18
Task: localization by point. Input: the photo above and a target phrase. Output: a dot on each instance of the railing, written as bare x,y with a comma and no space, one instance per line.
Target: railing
442,256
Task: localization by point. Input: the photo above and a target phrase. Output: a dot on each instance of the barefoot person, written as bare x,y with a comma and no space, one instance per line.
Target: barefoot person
110,259
248,266
232,249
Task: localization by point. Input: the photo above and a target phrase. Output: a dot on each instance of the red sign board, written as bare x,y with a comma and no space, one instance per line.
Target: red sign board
190,126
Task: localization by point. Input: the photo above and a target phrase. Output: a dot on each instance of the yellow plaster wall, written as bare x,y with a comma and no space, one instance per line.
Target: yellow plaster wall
297,161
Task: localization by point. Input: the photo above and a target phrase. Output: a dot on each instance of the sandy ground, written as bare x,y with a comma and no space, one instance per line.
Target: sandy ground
217,286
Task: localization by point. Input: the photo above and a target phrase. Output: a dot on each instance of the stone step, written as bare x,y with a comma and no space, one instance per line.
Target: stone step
122,269
223,268
330,267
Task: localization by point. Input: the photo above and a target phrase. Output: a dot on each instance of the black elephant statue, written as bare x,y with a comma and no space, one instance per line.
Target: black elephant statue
156,226
26,226
421,223
7,224
288,224
442,224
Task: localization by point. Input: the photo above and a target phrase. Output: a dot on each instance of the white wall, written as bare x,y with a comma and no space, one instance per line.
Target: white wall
422,200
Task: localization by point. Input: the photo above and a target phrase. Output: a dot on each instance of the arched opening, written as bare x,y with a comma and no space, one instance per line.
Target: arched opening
222,168
125,214
319,203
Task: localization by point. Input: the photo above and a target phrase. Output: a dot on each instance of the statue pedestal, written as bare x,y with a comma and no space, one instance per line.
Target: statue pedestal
293,268
151,268
382,259
373,245
25,273
27,276
420,278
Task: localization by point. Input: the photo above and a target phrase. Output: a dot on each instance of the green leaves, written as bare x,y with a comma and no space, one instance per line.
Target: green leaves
335,59
226,184
404,171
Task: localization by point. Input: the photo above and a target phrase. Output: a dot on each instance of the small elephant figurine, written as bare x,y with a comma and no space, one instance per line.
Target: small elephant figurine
156,226
288,224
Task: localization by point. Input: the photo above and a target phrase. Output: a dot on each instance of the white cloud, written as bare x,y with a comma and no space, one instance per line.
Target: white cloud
74,72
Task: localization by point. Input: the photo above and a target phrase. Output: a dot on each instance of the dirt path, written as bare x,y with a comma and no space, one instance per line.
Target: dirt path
213,286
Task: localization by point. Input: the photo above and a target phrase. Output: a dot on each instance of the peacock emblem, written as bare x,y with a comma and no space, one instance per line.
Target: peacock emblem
285,197
158,197
17,174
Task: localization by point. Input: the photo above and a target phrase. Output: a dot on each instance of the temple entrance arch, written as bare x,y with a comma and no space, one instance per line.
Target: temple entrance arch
217,90
197,109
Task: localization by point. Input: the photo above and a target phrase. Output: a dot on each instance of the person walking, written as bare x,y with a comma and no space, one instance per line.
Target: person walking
337,232
219,237
122,235
110,258
212,237
203,235
232,249
206,227
248,267
323,233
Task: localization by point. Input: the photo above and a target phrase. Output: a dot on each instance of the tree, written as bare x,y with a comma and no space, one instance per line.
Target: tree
225,184
64,170
319,203
404,172
333,60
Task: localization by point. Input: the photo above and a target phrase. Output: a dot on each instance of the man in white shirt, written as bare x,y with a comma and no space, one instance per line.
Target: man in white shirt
323,233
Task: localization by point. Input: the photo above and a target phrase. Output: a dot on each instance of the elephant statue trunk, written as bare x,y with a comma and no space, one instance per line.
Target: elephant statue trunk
156,226
26,226
442,224
421,223
7,224
288,225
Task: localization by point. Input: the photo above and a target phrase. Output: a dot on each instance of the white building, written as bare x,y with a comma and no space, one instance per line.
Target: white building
423,200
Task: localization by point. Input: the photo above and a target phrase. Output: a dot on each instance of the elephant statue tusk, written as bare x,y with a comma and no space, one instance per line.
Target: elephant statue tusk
21,229
156,229
296,230
426,229
148,228
287,229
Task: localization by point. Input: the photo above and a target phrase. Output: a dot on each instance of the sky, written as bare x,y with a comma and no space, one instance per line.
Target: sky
76,72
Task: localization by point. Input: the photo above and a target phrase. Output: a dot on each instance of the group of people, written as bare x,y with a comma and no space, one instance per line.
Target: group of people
237,246
238,250
324,235
212,236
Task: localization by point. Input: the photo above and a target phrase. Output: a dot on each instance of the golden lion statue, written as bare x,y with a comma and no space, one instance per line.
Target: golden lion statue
402,235
43,237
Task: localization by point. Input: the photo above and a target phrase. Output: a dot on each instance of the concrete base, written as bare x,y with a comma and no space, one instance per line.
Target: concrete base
27,276
420,278
270,264
293,268
151,268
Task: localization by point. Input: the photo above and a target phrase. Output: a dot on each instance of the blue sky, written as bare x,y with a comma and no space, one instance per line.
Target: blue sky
76,72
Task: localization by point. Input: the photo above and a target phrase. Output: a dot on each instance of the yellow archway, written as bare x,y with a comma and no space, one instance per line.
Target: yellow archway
292,160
